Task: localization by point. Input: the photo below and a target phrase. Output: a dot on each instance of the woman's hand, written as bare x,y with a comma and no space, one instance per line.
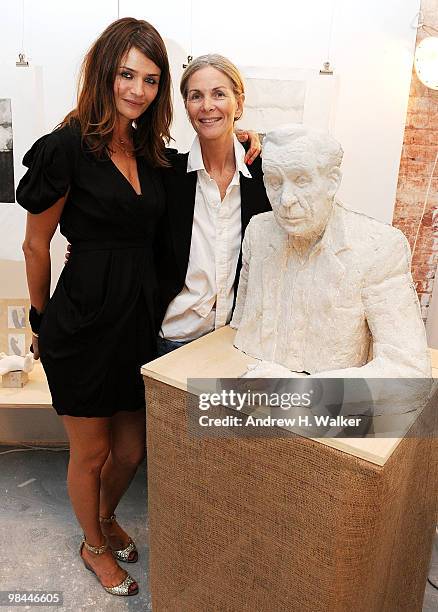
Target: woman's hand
255,146
34,347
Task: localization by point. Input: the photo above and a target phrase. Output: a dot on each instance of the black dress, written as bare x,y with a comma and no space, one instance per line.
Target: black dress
100,324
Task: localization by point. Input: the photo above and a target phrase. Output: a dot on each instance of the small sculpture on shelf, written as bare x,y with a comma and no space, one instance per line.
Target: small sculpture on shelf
14,369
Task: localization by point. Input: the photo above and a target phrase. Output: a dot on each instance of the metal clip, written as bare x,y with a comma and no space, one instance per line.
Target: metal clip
22,61
326,69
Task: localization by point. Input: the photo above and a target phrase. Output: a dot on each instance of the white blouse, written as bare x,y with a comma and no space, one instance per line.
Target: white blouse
206,301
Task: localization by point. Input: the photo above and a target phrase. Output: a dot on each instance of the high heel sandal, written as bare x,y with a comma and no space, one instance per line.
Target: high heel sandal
122,589
129,554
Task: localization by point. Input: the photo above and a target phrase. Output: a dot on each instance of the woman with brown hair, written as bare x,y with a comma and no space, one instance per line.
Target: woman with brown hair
97,176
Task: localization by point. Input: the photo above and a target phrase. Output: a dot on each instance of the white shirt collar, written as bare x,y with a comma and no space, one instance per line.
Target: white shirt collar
195,161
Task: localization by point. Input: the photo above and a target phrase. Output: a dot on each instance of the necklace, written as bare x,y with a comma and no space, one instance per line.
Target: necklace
125,146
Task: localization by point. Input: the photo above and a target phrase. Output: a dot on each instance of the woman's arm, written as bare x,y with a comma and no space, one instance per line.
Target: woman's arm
36,248
254,144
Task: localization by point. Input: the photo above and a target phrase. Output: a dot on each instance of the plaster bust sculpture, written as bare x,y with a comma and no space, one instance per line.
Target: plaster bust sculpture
14,363
324,290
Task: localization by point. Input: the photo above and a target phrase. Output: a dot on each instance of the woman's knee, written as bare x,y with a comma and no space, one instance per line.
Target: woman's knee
128,457
90,459
90,442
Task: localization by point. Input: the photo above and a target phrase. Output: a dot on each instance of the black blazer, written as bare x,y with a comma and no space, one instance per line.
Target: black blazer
175,231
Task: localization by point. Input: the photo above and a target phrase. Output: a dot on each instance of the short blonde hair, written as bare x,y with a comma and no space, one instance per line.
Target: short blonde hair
215,61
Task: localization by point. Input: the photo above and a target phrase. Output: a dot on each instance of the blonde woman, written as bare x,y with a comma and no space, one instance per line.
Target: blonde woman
211,196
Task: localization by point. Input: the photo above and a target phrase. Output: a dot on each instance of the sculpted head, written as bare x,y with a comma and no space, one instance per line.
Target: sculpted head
302,174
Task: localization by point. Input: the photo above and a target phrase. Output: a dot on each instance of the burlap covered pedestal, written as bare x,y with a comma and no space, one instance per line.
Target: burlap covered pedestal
279,524
283,524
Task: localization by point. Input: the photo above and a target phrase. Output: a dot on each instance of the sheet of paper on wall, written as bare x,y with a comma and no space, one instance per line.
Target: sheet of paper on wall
7,187
22,91
276,96
181,130
271,102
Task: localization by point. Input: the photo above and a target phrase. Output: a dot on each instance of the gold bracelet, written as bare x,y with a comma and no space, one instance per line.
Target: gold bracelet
36,335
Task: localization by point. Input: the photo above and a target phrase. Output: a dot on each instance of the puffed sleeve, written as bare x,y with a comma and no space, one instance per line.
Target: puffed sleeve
50,168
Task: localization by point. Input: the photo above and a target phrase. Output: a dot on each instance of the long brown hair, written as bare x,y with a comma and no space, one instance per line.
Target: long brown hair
96,109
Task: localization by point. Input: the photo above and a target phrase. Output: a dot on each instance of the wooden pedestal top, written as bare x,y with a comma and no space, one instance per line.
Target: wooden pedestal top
214,356
35,394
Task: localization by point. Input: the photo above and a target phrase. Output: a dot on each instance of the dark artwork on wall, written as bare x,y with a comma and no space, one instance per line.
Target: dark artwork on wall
7,189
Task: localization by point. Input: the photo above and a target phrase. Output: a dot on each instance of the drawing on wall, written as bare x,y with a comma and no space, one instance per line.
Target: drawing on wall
15,334
278,95
273,102
7,188
16,344
16,317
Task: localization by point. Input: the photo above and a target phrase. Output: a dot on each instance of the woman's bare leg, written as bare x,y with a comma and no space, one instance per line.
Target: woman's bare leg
89,448
127,451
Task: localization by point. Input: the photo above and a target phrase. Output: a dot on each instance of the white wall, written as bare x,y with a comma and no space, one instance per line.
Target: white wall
371,52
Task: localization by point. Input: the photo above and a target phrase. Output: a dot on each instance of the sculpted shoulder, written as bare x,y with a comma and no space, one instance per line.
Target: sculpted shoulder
263,221
368,231
262,228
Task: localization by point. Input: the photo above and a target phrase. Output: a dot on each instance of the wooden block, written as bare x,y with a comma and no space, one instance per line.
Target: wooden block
14,380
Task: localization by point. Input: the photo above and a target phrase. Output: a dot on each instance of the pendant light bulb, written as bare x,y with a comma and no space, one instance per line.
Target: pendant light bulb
426,61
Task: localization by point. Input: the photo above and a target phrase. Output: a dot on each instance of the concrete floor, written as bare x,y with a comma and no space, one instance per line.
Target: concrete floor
39,536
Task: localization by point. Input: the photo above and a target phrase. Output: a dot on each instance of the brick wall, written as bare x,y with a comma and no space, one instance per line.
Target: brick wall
420,146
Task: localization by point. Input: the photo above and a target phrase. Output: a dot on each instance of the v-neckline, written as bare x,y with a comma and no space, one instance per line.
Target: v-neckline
127,179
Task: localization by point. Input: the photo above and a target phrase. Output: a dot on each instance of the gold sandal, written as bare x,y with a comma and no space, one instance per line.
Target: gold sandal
122,589
129,554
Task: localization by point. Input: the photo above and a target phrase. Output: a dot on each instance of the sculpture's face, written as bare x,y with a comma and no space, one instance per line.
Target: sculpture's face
300,193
